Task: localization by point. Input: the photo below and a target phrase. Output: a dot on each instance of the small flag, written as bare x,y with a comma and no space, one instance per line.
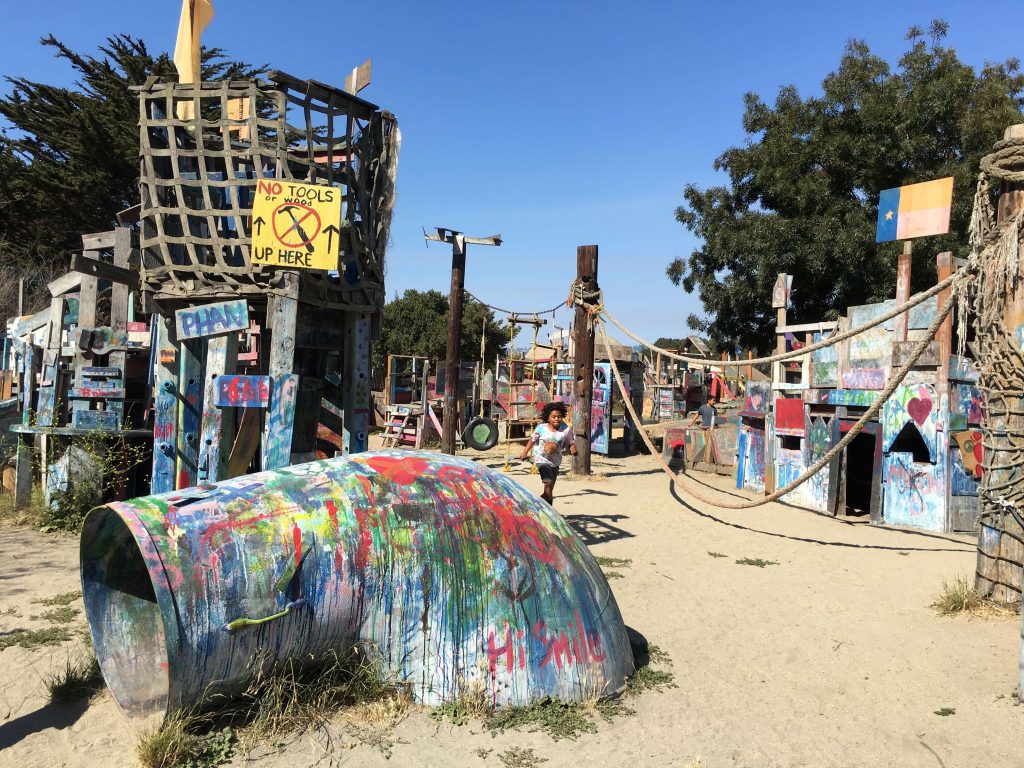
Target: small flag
916,210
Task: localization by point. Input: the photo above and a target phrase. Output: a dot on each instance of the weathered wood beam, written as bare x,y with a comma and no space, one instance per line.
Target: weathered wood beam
103,271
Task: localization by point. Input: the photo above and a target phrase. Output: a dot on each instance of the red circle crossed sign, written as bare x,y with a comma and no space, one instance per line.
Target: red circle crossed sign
295,225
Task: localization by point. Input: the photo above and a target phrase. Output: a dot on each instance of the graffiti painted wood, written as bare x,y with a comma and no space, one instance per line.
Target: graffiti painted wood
243,391
458,576
277,439
165,409
212,319
106,421
190,364
217,423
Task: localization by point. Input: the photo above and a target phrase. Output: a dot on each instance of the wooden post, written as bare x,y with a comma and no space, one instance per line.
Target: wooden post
120,296
750,368
217,423
583,361
903,290
357,396
458,242
165,405
451,357
282,312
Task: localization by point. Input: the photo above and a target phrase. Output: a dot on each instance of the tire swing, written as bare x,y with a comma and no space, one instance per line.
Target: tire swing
481,433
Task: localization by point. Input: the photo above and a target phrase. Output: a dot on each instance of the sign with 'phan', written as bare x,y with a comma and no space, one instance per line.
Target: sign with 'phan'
295,225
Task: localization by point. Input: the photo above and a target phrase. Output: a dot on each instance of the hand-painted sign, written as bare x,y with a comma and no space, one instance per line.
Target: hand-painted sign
212,319
296,225
781,290
243,391
915,210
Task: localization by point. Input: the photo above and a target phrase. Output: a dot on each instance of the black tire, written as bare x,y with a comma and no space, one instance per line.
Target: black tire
481,433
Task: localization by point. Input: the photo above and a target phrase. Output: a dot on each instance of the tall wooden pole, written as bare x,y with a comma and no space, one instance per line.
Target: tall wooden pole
458,242
451,357
903,289
583,360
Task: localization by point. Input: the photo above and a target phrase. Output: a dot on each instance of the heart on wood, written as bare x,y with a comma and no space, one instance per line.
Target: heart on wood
918,409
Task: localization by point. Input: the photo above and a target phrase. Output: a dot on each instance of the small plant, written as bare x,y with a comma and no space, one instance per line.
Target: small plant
756,562
945,712
558,719
471,705
77,680
612,575
35,638
176,745
517,757
957,596
716,554
904,554
483,753
613,562
65,598
649,679
63,615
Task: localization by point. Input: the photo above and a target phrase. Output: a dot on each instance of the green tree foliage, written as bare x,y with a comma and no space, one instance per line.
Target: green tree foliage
69,156
802,193
417,324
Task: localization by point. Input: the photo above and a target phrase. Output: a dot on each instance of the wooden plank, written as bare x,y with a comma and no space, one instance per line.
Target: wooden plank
212,319
98,241
102,372
282,312
95,393
190,382
93,267
901,351
217,424
120,297
23,472
277,440
165,407
48,396
246,443
65,283
90,420
86,319
357,397
235,391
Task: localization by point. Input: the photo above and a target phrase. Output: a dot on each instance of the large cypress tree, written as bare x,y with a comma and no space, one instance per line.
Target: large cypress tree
69,155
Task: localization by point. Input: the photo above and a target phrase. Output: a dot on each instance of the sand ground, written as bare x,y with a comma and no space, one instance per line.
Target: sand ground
831,657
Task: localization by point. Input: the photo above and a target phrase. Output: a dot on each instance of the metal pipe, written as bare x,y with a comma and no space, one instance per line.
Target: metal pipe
461,578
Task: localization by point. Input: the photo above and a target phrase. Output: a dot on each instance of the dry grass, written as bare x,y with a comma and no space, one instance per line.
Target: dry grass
35,514
293,697
959,598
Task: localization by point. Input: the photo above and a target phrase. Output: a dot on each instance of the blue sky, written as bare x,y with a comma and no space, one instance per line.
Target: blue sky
555,124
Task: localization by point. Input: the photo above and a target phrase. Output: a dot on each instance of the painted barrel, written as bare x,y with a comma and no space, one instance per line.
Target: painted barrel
460,577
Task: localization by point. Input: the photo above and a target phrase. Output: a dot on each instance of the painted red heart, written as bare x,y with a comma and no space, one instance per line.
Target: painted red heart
918,409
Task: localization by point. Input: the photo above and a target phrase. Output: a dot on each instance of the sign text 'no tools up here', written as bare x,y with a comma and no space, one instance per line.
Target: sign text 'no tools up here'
295,225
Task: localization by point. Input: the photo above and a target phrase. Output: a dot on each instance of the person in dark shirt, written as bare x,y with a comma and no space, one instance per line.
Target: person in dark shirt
706,414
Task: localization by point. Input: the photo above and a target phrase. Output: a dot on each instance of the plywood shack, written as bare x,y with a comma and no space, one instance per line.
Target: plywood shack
293,380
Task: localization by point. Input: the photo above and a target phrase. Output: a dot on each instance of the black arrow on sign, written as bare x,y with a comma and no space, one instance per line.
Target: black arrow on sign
331,230
258,225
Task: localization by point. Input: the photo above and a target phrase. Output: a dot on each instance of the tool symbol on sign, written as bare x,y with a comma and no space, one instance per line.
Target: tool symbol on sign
303,236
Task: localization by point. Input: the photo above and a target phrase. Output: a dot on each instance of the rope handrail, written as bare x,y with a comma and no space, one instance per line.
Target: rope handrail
821,463
824,343
551,311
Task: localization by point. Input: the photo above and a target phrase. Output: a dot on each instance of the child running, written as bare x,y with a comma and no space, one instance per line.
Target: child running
548,441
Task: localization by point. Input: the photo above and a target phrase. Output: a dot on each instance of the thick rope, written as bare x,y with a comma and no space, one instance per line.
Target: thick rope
551,311
830,341
821,463
1006,161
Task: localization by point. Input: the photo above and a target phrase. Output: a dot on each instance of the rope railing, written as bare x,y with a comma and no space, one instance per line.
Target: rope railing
869,415
803,351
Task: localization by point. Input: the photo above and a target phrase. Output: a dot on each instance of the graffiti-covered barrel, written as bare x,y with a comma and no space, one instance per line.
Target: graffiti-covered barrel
462,579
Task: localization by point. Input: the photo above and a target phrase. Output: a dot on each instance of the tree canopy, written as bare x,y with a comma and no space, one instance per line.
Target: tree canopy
417,324
802,193
69,156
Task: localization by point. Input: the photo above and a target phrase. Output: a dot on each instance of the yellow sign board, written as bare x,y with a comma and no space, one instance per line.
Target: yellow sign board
295,225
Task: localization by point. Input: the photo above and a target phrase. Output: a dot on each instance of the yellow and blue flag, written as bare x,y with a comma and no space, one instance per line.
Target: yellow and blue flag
915,210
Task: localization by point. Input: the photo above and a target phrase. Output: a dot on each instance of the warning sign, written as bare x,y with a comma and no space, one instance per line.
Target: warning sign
295,225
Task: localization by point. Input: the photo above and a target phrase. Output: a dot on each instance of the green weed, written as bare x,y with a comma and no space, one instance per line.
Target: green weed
517,757
63,615
945,712
716,554
35,638
613,562
65,598
755,561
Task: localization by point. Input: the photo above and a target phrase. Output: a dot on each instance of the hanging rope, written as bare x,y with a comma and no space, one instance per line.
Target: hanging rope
551,311
803,351
821,463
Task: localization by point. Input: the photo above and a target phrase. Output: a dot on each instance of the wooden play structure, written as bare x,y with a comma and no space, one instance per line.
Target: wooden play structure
229,356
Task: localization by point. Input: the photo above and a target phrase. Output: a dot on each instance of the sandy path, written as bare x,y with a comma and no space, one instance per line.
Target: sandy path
829,658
